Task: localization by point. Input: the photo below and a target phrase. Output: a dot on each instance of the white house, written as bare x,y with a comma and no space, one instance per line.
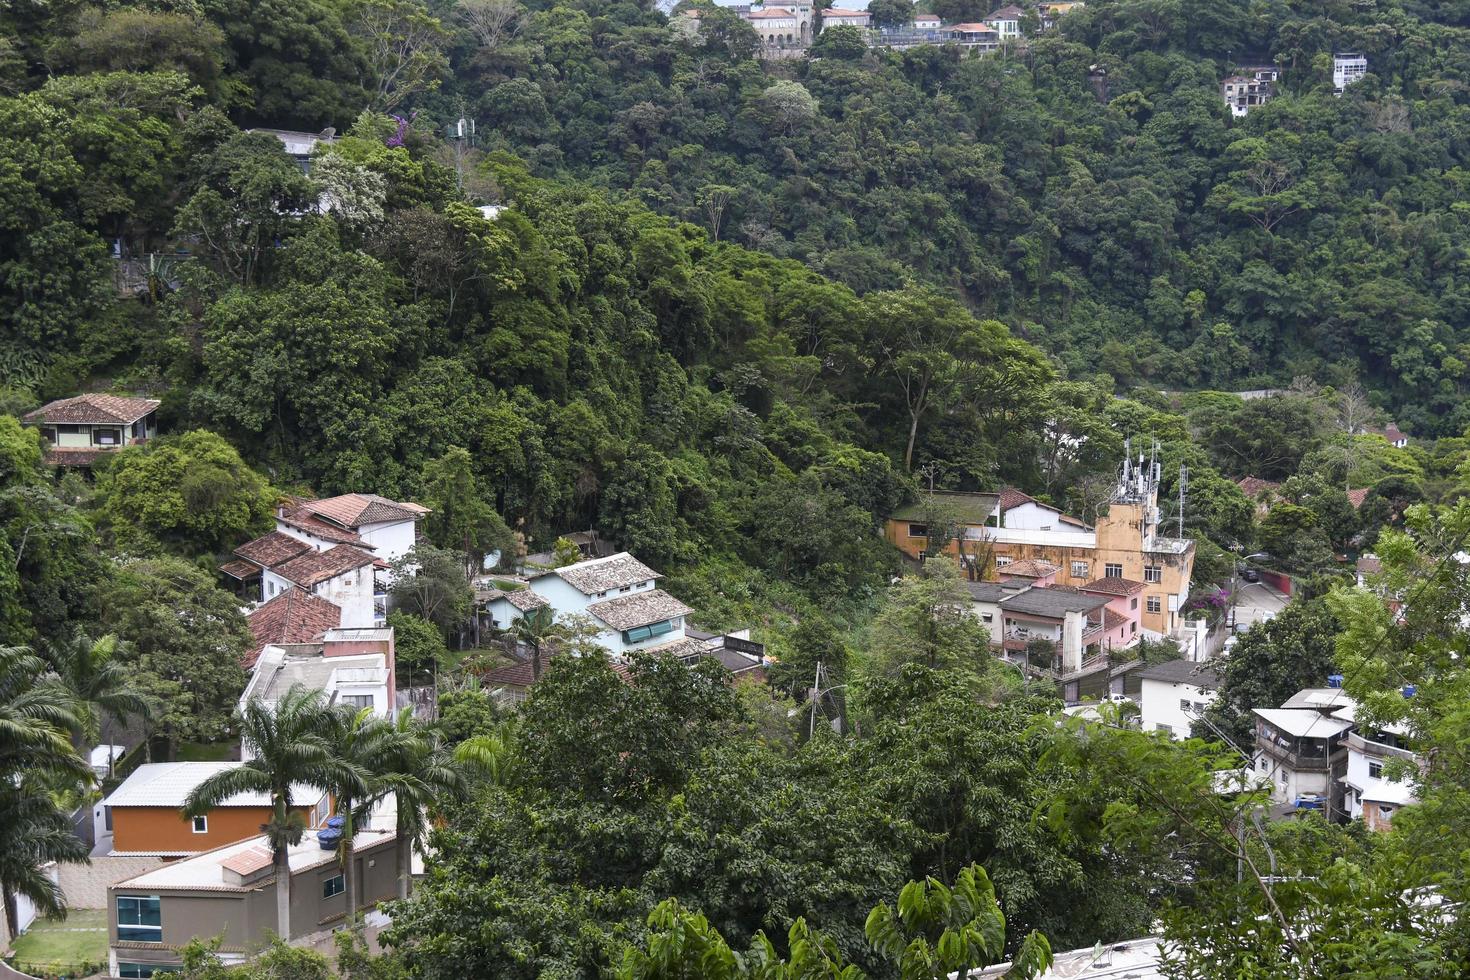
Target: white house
1347,68
1020,511
349,666
80,430
617,593
1380,774
1174,694
927,22
388,528
834,17
1298,750
342,575
1006,22
778,27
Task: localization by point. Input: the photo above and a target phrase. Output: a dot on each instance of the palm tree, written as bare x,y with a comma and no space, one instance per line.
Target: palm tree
423,774
99,684
36,715
287,744
366,750
534,629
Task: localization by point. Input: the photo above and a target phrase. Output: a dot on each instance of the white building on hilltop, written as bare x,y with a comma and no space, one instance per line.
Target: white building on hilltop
1346,69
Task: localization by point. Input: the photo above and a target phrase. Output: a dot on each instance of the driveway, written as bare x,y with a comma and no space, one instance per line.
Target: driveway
1256,602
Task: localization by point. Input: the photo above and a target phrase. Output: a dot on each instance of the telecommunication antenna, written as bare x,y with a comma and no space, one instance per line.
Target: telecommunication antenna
1183,486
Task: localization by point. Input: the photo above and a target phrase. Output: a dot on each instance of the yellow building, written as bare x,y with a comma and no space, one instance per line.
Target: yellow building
1008,527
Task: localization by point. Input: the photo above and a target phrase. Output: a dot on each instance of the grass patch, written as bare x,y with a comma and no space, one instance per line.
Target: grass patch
76,945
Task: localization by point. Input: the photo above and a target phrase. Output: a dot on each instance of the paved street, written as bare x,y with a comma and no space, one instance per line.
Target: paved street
1256,602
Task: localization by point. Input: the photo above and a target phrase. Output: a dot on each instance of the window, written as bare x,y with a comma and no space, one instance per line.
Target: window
1113,570
1283,777
144,969
1385,811
358,701
1079,569
1153,573
918,530
139,919
201,825
987,617
1166,729
334,885
1133,627
640,633
1375,770
626,588
1184,706
1002,561
1134,603
1154,605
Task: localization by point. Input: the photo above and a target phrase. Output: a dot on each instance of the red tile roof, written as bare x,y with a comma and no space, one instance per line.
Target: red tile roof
312,524
1029,568
1011,497
248,861
95,409
1113,585
1356,497
56,456
318,566
353,510
294,616
270,550
1112,620
240,569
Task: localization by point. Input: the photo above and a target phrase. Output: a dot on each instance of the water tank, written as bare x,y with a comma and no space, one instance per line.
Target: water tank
1334,680
329,838
1409,690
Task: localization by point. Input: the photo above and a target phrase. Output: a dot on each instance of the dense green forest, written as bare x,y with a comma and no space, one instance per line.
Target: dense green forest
732,313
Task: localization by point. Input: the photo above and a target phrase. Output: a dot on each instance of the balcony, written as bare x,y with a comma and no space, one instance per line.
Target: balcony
1378,750
1309,760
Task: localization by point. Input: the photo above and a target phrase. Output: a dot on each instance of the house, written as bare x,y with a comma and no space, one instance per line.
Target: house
1392,433
231,892
293,616
834,17
80,430
1173,694
1050,13
349,666
300,146
978,37
1006,22
1033,571
1347,68
1301,751
1024,512
1126,543
927,22
786,26
1251,88
1073,622
338,549
1368,566
1124,600
142,816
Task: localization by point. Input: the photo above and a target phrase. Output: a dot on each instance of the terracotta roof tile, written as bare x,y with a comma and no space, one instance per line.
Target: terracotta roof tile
240,569
638,609
57,456
95,409
294,616
318,566
1112,620
1011,497
353,510
311,524
270,550
1254,486
1029,568
1356,497
1113,585
248,861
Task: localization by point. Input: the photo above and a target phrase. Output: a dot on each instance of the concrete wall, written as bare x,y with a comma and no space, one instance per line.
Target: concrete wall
85,885
1159,705
391,540
353,592
1035,517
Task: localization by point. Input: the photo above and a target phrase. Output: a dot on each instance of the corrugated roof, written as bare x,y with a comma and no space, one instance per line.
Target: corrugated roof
1181,672
601,574
1302,722
168,784
94,409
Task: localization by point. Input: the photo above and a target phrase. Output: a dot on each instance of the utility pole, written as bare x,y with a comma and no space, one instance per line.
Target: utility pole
461,136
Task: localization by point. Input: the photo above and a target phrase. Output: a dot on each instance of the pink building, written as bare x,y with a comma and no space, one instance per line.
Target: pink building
1123,597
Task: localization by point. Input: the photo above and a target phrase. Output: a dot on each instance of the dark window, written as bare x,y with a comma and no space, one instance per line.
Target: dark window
918,530
334,885
1113,570
640,633
1154,605
201,825
1134,604
143,969
1153,573
139,919
1375,770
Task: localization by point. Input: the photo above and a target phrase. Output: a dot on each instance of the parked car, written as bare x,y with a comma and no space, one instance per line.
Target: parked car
1250,575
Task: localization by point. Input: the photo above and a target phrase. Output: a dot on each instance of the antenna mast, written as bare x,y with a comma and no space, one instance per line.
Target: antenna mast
1183,486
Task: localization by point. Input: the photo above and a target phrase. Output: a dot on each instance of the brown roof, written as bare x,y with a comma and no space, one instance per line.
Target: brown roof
1356,497
1113,585
1029,568
96,409
1009,12
240,569
1112,620
312,524
639,609
294,616
58,456
600,574
353,510
248,861
973,29
1370,565
769,14
1254,486
270,550
318,566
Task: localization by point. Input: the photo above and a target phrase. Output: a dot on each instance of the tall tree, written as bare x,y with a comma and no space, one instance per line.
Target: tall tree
286,744
99,683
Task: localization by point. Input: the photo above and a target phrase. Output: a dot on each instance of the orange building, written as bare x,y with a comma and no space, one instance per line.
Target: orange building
144,814
1125,544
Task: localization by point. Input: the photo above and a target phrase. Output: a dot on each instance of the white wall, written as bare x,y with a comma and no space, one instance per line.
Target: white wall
353,593
1159,705
1373,787
1287,785
390,541
995,625
1032,516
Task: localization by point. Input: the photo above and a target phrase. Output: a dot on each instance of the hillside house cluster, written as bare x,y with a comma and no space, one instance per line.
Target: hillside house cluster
1317,756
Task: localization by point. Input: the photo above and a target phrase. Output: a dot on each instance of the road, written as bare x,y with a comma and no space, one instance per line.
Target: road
1256,602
